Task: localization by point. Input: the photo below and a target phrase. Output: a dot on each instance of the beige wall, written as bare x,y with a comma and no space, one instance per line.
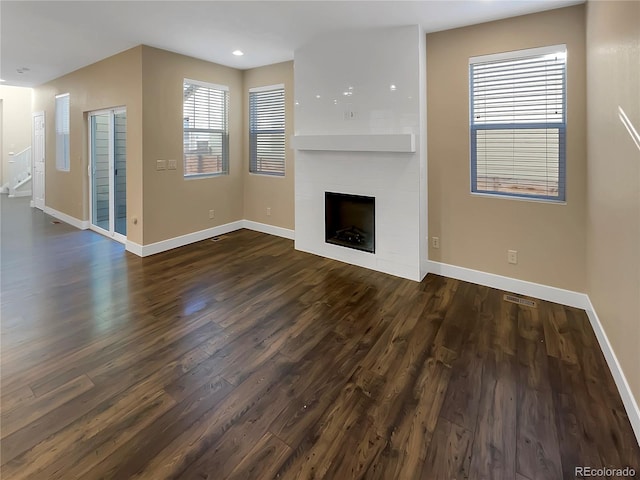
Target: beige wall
264,191
115,81
173,205
476,232
15,124
148,81
613,182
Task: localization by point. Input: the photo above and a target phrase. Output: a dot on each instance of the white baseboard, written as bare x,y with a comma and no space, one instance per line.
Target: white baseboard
171,243
630,404
73,221
557,295
182,240
134,248
522,287
270,229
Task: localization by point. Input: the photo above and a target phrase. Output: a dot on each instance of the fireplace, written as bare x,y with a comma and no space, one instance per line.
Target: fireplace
350,221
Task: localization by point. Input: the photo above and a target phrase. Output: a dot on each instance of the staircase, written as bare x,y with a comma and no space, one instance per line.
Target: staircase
20,174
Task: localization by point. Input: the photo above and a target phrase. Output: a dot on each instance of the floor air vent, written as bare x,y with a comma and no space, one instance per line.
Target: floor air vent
519,301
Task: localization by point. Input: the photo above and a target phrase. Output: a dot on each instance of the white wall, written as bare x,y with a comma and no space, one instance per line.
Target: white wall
343,85
16,124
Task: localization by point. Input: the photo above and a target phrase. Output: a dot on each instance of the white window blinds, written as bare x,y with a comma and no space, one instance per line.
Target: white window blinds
63,157
205,128
266,130
518,123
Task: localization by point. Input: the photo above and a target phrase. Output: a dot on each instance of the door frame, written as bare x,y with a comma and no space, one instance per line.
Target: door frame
111,233
33,159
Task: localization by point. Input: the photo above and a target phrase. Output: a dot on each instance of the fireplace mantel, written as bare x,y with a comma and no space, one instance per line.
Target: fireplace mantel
398,143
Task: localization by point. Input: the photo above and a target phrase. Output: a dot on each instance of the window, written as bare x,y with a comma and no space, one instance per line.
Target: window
63,158
266,130
518,123
205,128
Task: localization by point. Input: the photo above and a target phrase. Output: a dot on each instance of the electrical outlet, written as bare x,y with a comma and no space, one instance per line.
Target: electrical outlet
212,213
512,256
435,242
268,211
161,164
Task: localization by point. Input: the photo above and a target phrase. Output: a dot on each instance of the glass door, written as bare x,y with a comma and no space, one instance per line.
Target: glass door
108,178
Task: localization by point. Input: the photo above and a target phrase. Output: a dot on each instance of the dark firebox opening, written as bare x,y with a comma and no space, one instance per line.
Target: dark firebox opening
350,221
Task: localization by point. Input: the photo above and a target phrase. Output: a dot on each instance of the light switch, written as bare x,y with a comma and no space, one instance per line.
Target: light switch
161,164
172,165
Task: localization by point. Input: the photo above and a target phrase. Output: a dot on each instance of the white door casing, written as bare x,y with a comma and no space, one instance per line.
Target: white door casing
38,158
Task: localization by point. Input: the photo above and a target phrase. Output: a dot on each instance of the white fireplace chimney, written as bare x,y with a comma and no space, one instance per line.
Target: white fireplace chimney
360,129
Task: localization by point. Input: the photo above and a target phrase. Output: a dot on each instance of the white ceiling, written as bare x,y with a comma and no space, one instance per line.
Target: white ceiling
52,38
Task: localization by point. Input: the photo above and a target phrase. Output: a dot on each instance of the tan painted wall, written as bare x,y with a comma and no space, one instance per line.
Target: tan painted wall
115,81
15,123
613,182
148,82
262,191
173,205
476,232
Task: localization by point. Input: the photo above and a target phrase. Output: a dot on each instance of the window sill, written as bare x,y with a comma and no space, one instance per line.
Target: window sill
266,175
521,199
204,175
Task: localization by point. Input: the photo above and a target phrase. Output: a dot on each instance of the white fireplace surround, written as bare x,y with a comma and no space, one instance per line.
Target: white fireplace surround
360,128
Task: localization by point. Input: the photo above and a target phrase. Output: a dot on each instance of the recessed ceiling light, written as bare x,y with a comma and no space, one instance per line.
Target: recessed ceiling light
238,53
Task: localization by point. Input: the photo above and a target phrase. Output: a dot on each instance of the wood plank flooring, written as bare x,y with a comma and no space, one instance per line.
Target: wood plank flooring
243,359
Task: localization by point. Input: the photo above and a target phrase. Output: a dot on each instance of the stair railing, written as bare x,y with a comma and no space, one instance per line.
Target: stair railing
20,172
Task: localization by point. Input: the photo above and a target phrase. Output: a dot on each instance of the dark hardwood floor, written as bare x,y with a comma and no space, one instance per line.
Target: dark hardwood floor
242,358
